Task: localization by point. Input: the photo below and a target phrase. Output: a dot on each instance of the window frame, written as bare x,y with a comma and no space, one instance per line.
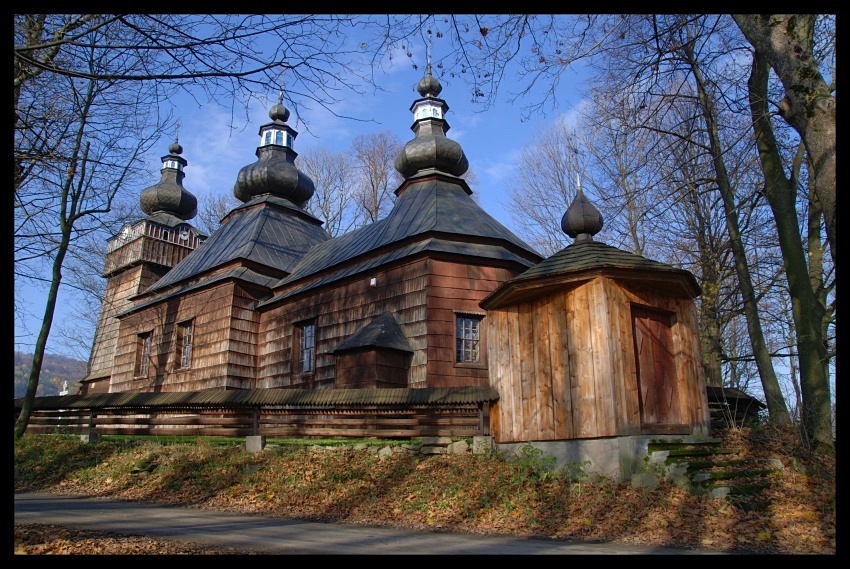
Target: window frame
184,346
299,349
144,342
460,349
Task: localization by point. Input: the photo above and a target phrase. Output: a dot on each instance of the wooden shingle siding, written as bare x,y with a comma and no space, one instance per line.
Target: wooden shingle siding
423,296
372,369
340,311
120,288
457,288
116,298
218,360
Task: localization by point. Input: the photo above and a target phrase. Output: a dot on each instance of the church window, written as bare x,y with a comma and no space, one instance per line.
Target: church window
305,344
184,344
143,353
468,338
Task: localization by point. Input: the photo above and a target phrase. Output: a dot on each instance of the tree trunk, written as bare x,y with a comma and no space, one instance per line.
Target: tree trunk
805,308
787,43
775,401
711,333
41,343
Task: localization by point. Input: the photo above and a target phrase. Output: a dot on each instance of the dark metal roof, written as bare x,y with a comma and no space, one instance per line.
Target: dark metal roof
168,220
269,397
267,230
239,273
436,205
382,332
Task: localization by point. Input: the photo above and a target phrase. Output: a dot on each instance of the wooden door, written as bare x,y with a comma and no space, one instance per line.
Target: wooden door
656,371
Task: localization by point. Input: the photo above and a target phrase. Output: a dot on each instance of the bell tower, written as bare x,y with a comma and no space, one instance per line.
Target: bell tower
139,255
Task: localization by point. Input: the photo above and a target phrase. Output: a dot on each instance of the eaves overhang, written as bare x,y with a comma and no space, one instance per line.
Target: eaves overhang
271,397
674,283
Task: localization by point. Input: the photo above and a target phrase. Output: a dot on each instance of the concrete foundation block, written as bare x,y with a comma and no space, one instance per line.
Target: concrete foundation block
255,443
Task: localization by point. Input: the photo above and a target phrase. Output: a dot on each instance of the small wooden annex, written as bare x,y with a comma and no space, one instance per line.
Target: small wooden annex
595,342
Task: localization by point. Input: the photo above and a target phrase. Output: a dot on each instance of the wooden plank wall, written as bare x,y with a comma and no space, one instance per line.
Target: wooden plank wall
564,367
223,342
687,353
396,422
623,361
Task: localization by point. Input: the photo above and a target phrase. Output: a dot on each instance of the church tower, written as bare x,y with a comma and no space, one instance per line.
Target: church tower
139,255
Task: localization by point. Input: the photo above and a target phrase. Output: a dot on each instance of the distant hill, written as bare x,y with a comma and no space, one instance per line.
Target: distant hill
55,370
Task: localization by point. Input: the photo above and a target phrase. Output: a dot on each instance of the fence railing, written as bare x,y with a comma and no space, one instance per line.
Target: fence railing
379,423
381,413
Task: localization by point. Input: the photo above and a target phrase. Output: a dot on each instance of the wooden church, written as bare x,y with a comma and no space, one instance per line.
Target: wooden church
591,343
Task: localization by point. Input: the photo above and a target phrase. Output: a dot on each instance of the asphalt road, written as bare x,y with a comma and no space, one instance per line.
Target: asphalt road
280,536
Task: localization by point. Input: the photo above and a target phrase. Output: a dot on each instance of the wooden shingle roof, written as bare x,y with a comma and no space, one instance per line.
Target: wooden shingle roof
586,258
382,332
380,397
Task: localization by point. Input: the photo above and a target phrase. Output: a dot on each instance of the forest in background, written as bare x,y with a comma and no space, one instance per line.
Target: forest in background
54,372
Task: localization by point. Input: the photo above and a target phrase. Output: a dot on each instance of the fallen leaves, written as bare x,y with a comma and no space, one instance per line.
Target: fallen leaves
47,539
462,493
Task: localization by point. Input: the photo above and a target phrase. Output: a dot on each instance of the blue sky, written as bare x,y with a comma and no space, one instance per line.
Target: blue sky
492,140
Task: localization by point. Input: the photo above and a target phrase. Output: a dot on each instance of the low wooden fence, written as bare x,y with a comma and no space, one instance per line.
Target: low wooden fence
441,412
265,422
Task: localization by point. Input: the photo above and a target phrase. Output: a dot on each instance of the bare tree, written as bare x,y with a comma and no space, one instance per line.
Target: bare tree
373,157
621,172
212,209
544,186
334,201
234,57
651,60
707,96
807,308
60,200
88,92
786,42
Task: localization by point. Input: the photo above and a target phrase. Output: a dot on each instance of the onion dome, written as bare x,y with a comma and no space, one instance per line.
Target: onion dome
430,148
275,172
582,220
169,195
